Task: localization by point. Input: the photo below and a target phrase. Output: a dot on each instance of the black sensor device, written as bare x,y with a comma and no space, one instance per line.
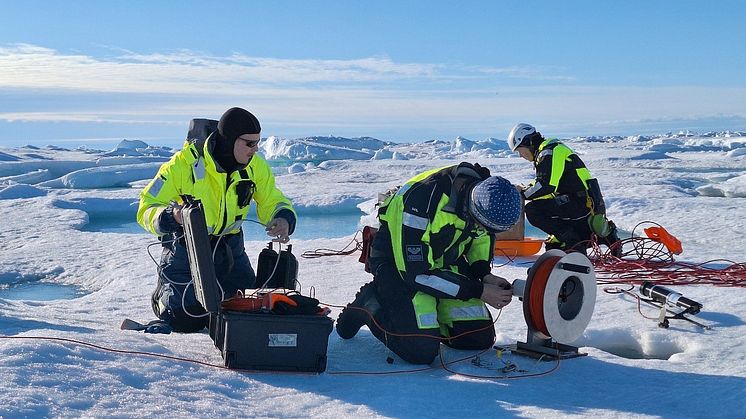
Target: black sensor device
665,295
271,273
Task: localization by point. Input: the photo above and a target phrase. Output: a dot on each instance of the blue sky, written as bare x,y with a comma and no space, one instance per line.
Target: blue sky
74,71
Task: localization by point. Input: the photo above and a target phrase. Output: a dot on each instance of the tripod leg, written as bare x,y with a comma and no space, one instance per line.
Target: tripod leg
662,319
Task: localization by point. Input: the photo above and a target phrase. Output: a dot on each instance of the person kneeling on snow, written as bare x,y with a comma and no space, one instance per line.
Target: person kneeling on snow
430,261
565,201
225,174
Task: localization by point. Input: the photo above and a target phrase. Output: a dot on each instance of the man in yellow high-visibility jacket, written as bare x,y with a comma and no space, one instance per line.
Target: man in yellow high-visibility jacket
224,172
565,201
430,261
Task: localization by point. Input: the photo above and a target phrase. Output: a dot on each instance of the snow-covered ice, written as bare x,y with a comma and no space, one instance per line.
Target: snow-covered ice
692,184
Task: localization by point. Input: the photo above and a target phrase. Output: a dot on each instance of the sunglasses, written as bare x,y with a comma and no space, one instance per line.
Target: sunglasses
249,143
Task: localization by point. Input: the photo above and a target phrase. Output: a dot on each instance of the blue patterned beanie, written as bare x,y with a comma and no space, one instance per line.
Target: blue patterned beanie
495,203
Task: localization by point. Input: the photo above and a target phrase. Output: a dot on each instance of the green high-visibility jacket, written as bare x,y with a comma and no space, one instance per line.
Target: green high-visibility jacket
559,171
193,171
436,248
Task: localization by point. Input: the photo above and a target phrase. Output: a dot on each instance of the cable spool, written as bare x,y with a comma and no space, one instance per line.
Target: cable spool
535,300
558,300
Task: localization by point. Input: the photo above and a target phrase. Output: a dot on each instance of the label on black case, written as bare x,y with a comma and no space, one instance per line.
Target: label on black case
282,340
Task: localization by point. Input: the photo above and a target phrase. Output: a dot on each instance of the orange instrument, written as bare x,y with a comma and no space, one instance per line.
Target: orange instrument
660,235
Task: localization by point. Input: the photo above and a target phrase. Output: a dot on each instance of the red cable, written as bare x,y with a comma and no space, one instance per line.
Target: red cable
536,293
419,335
617,290
650,261
347,250
646,259
139,353
495,377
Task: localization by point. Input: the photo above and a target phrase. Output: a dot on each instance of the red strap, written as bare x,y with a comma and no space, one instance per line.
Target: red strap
242,304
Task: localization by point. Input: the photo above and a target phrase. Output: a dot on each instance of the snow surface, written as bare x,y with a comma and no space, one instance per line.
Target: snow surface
694,185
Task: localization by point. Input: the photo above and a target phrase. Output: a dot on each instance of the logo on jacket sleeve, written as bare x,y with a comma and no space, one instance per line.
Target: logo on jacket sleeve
414,253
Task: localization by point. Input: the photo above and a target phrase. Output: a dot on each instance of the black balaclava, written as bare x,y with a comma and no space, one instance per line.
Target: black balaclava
234,123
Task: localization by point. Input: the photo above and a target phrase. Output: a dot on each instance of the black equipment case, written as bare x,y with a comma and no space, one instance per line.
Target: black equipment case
258,341
252,340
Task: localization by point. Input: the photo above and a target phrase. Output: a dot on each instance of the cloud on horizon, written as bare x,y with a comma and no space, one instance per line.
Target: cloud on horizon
365,95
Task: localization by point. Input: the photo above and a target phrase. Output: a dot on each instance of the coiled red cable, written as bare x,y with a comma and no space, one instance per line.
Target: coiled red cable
536,293
645,259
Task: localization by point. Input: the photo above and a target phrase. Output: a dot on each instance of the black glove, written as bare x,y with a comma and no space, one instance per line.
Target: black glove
166,222
303,305
158,326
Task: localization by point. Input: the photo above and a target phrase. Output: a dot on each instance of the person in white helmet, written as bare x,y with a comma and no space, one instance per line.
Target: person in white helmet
565,201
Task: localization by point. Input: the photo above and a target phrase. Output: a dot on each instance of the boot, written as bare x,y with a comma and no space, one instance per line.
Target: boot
612,241
358,312
567,241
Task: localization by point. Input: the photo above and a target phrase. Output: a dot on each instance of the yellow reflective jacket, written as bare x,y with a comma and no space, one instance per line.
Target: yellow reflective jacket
559,171
194,172
435,247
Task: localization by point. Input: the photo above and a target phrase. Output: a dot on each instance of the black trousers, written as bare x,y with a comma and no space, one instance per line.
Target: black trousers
397,316
174,300
565,218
